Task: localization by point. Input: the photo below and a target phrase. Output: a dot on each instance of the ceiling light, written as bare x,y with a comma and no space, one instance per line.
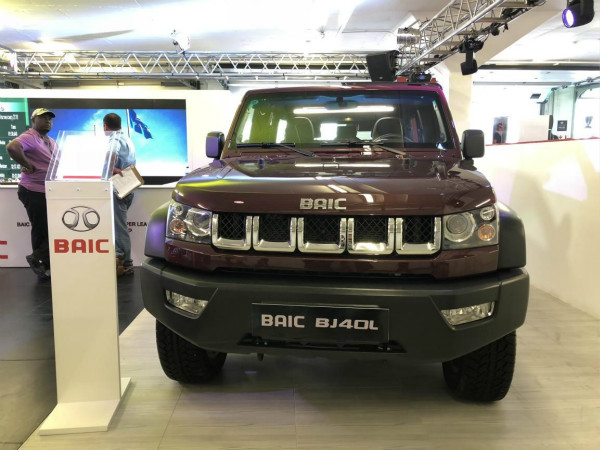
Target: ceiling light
358,109
181,40
468,47
577,13
408,36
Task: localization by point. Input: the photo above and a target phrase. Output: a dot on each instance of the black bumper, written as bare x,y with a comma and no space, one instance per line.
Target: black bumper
417,329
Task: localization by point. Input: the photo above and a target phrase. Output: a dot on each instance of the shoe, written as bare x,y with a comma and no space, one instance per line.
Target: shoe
120,268
38,267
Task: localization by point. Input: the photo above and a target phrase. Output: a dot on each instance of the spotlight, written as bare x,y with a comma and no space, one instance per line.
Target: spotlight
419,77
578,13
469,67
181,40
468,47
408,36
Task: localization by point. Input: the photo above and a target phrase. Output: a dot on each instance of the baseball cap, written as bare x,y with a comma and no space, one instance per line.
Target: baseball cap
41,111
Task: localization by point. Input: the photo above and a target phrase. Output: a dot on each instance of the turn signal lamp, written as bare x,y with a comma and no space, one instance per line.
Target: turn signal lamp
486,232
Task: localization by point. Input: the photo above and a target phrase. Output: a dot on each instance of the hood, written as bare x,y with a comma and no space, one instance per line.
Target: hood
335,185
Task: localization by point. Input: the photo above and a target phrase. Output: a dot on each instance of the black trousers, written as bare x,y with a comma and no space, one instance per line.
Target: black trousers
35,205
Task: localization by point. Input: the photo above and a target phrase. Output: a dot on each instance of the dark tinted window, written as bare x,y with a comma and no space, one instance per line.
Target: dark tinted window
404,119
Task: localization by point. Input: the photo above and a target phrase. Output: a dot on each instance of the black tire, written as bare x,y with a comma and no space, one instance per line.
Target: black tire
183,361
485,374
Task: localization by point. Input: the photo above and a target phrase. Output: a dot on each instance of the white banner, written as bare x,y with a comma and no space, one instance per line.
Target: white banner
15,229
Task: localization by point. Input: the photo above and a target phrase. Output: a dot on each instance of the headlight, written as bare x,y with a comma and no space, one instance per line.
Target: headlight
470,229
189,224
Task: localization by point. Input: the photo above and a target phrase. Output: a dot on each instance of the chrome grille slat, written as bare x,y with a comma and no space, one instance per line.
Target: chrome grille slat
371,235
366,235
424,247
237,234
277,233
325,240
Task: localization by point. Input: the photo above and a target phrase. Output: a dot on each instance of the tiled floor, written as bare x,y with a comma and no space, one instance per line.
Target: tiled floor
27,372
295,403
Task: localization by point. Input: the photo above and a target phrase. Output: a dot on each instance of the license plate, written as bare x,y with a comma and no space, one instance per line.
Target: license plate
320,323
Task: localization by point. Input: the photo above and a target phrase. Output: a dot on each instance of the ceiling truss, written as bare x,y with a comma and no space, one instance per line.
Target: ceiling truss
86,65
439,38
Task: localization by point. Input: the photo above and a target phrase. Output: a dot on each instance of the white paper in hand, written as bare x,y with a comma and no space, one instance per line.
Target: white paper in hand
124,185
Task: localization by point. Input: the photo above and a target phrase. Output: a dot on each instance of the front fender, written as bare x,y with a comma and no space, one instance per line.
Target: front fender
512,252
155,233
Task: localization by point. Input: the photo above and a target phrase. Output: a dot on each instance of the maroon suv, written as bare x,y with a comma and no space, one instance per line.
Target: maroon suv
340,220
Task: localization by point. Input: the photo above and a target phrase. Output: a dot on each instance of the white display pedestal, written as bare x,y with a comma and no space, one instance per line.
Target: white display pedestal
84,302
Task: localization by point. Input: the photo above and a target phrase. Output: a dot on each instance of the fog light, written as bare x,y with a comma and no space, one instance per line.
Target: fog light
468,313
192,305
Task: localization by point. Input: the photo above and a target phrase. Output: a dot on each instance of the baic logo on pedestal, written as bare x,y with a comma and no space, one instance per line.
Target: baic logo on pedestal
81,219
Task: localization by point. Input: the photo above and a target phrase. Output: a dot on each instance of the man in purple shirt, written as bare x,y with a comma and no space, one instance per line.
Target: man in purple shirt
33,150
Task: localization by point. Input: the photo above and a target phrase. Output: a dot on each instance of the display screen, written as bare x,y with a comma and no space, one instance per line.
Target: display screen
156,127
14,119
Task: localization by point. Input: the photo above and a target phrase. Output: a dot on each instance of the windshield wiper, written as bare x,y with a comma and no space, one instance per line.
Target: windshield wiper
389,149
289,146
362,144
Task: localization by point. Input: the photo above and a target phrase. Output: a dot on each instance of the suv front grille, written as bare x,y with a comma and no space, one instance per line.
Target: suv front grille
322,229
274,227
370,229
368,235
231,226
418,229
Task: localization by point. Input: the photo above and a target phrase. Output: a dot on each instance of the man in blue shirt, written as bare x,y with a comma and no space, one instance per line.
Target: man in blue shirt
124,150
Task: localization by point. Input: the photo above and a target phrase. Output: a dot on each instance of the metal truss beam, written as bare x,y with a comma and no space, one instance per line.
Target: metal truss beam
87,65
441,36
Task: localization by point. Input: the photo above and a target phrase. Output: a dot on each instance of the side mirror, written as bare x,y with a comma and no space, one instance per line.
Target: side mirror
215,141
472,145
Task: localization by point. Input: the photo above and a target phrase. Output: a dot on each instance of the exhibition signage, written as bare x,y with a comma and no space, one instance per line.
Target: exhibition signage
84,294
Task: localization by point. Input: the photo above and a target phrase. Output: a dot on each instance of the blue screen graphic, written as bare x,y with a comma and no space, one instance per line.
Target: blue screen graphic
159,135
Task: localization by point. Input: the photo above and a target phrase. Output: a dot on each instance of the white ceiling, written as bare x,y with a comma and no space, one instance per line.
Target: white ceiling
272,25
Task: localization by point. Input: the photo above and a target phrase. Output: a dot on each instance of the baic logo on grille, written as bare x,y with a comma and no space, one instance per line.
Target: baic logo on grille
322,203
81,218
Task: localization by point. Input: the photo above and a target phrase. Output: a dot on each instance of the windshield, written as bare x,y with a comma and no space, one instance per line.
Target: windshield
313,119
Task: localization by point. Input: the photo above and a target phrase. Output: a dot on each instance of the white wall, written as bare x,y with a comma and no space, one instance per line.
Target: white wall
513,102
555,188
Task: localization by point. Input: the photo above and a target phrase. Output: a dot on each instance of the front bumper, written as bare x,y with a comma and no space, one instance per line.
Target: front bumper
417,329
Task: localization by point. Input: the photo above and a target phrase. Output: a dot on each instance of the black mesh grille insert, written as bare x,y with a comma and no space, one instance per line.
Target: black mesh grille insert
370,229
322,229
418,229
274,228
326,229
232,226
